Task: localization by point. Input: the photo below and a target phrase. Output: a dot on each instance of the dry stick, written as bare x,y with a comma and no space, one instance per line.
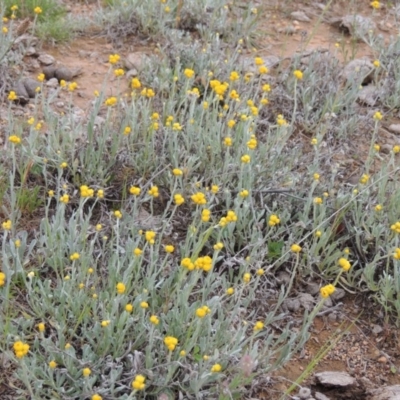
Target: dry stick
178,14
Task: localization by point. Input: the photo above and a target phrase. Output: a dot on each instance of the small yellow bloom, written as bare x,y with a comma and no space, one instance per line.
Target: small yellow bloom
72,86
245,159
263,69
169,248
41,77
182,353
12,96
318,200
396,149
231,123
260,272
127,130
258,326
252,143
105,323
63,83
119,72
150,236
246,277
74,256
41,327
153,191
129,308
244,193
144,304
188,73
216,368
20,349
171,342
178,199
214,189
378,207
230,291
17,243
314,141
134,190
113,58
205,215
378,116
154,320
137,252
111,101
117,214
316,176
295,248
345,264
377,63
7,225
64,198
86,372
96,397
121,288
298,74
396,254
318,233
14,139
327,290
228,141
139,382
218,246
52,364
67,346
273,220
375,4
177,172
199,198
37,10
364,179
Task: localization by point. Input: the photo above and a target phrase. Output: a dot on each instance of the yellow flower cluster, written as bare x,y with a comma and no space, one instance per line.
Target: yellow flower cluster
139,382
7,225
150,236
219,88
327,290
230,217
199,198
86,191
2,279
120,288
20,349
202,312
344,263
171,342
273,220
178,199
395,227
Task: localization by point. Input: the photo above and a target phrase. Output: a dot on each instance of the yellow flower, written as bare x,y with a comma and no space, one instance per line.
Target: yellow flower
86,191
139,382
244,193
182,353
127,130
96,397
218,246
214,189
216,368
41,327
20,349
234,95
202,311
167,9
396,149
17,243
177,172
378,207
231,123
72,86
228,141
119,72
375,4
314,141
137,252
134,190
187,263
96,92
252,143
136,84
316,176
113,58
169,248
154,320
234,76
153,191
67,346
52,364
377,147
178,199
326,291
247,277
205,215
171,342
144,304
295,248
14,7
37,10
188,73
258,326
14,139
199,198
74,256
230,291
100,194
245,159
111,101
263,69
7,225
105,323
266,87
86,372
41,77
364,179
396,254
260,272
377,63
345,264
280,120
258,61
150,236
317,200
63,83
129,308
318,233
64,198
298,74
4,29
120,288
378,116
117,214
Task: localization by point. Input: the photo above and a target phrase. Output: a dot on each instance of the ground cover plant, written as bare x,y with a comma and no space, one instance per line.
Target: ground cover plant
148,249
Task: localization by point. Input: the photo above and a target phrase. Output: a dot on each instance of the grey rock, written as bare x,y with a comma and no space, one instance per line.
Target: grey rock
385,393
31,51
64,73
368,95
320,396
288,30
49,72
30,86
306,300
377,329
60,104
338,294
292,304
99,120
131,73
357,25
312,288
26,40
46,59
359,70
395,128
304,393
20,91
271,61
332,317
300,16
335,378
53,83
135,60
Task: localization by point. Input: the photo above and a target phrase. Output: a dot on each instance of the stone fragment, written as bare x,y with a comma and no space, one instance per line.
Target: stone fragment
30,86
395,128
385,393
135,60
300,16
49,72
359,70
46,59
53,83
335,378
